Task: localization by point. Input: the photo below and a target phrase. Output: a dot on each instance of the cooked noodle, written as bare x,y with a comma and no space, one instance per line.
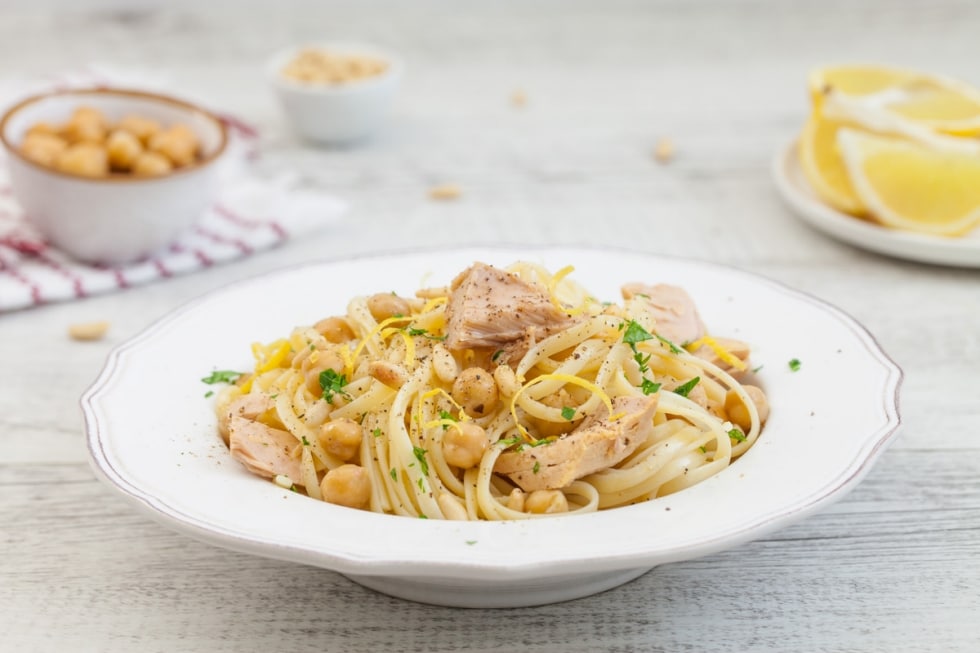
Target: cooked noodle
394,385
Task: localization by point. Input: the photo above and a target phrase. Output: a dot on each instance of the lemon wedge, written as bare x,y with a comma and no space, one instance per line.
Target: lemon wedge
907,186
941,104
823,165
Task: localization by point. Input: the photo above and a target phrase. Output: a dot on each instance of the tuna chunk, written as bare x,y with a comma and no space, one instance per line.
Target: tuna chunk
262,449
674,310
596,444
491,308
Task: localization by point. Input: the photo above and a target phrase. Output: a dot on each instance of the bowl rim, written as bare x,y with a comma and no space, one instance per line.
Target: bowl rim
14,151
275,63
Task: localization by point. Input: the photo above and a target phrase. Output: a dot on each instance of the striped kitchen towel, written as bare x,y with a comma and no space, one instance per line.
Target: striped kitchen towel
250,214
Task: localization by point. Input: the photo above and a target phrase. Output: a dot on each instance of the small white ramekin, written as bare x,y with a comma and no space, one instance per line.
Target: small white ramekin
336,114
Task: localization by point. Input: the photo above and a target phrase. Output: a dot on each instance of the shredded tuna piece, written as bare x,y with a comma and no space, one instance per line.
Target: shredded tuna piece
673,309
597,443
491,308
263,450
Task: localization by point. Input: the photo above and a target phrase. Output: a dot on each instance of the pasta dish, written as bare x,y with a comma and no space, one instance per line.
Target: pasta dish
512,393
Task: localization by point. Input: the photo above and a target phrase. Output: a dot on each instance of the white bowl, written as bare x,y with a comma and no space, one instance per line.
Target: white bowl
334,114
168,460
119,218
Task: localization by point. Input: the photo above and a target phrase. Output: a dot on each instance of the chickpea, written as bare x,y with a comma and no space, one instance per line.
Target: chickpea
123,149
738,414
476,391
464,446
546,502
43,148
341,438
334,329
177,144
317,363
347,485
142,128
86,127
84,160
385,305
45,128
151,164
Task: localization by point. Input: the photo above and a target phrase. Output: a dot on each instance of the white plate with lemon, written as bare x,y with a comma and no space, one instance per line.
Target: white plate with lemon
889,161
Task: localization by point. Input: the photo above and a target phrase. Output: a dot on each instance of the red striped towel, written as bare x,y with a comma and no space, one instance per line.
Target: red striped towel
249,215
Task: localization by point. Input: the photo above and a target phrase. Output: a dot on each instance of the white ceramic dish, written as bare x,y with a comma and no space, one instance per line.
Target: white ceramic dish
114,219
335,114
795,190
166,457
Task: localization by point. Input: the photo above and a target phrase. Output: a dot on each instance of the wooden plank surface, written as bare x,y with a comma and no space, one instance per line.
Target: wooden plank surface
893,567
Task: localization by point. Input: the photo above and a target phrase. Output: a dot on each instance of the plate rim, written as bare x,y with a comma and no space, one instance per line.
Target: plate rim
873,444
921,248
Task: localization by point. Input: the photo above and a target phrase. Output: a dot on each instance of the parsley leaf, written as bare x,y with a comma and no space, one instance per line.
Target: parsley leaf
222,376
649,387
394,474
674,349
510,442
497,354
306,442
537,467
332,383
795,364
685,388
635,333
420,456
737,435
376,432
568,413
445,414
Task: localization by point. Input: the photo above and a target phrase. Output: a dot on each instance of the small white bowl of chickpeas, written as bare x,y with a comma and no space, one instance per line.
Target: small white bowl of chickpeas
110,175
335,94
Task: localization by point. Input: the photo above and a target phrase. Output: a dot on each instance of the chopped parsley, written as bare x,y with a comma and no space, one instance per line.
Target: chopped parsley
684,389
568,413
306,442
737,435
208,393
413,331
635,333
497,354
445,414
674,349
702,450
649,387
470,542
422,516
222,376
332,383
377,433
537,467
795,364
756,369
420,456
394,474
510,442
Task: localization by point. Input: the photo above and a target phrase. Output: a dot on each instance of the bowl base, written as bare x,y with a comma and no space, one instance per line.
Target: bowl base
498,594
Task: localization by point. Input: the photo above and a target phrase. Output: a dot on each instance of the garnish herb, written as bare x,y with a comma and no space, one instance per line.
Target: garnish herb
413,331
306,442
497,354
702,450
394,474
208,393
332,383
420,456
737,435
684,389
674,349
568,413
795,364
635,333
537,467
421,516
445,414
470,542
376,432
649,387
222,376
510,442
756,369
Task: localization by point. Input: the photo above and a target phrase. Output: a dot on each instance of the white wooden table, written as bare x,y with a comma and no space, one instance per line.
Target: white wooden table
893,567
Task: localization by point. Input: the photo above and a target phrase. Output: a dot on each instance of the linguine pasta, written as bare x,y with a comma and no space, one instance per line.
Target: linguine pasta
512,394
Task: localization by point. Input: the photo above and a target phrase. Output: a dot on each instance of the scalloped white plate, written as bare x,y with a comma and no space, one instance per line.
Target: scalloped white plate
797,193
152,435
